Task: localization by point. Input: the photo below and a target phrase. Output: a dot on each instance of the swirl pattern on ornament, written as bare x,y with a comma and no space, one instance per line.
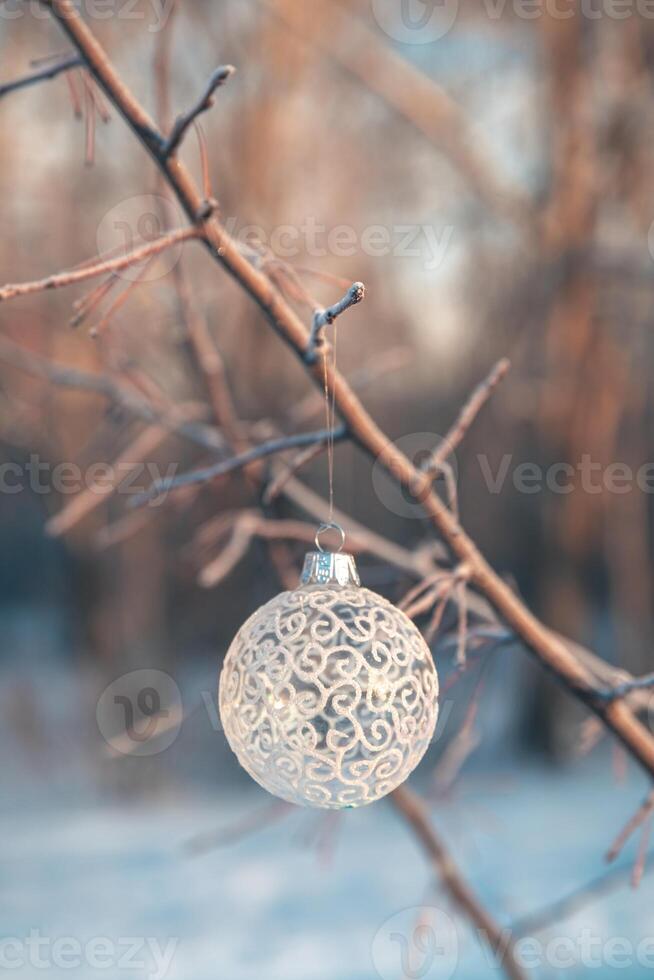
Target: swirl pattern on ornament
328,696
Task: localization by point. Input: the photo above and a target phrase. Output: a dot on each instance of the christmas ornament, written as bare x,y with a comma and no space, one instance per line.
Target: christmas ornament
328,693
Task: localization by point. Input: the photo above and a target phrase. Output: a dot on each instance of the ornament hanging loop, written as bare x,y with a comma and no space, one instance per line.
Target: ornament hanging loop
329,526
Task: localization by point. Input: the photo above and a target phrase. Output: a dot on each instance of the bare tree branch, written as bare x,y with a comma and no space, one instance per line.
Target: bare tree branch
322,318
466,417
239,462
43,75
101,384
498,940
628,686
567,906
219,77
99,266
642,814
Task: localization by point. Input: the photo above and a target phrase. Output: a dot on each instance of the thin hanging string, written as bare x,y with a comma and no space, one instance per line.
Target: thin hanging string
330,417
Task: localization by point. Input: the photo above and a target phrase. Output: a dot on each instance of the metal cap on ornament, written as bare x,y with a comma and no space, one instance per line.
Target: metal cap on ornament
329,567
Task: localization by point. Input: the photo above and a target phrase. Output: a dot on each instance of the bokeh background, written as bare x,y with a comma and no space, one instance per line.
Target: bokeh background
486,171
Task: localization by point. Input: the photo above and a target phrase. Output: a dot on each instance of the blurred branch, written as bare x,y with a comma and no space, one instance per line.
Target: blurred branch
499,940
208,360
241,828
641,815
99,267
249,524
641,858
93,496
346,40
567,906
239,462
552,652
219,77
628,686
43,75
301,459
466,417
101,384
418,563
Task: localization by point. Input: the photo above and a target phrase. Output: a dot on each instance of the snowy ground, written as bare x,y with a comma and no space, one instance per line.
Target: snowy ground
276,905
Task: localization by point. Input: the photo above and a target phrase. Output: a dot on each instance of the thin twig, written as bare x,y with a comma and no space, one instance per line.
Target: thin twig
466,417
322,318
219,77
301,459
101,384
640,816
239,462
462,628
43,75
75,99
209,360
89,115
439,612
461,747
250,524
90,301
91,497
120,300
564,908
641,859
98,266
241,828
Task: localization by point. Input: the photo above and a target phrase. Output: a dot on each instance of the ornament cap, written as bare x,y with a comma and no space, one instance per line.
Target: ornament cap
329,568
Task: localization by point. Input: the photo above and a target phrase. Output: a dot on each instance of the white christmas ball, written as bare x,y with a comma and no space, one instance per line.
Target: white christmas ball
328,696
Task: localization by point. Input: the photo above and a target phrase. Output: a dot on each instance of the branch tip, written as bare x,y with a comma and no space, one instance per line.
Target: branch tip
217,79
322,318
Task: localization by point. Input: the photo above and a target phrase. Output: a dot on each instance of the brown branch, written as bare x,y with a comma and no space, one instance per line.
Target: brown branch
642,814
95,495
250,524
437,617
209,361
98,266
219,77
43,75
90,301
120,300
552,651
89,116
498,940
121,529
641,859
301,459
75,99
466,417
418,563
